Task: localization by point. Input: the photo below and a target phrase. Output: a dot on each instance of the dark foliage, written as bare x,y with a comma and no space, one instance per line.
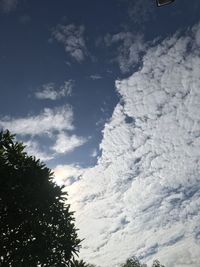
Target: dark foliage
80,263
36,226
156,263
134,262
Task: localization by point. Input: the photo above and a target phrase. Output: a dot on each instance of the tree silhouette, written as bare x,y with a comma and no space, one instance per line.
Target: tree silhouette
134,262
80,263
156,263
36,226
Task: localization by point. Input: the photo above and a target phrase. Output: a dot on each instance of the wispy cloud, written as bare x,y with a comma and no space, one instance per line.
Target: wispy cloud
55,124
34,148
49,91
72,37
8,5
95,77
139,11
94,153
143,196
130,48
48,121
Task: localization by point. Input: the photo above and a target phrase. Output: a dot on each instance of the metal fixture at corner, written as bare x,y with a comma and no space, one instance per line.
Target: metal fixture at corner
164,2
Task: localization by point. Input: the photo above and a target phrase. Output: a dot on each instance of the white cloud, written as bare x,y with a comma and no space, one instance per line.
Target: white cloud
94,153
8,5
130,48
55,124
49,91
143,196
33,148
47,122
67,174
72,37
66,143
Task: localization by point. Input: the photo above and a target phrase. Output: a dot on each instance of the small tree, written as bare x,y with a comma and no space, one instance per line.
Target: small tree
80,263
132,262
156,263
36,226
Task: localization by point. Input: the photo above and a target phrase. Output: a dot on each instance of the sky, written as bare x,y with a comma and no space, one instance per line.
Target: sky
107,94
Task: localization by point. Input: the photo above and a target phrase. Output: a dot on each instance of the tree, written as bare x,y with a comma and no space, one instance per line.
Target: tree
36,226
132,262
156,263
77,263
80,263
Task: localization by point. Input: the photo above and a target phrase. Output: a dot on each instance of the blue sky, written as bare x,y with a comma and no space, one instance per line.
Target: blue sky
106,93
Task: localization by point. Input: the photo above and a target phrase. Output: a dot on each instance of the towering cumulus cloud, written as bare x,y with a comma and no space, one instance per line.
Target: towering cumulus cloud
143,196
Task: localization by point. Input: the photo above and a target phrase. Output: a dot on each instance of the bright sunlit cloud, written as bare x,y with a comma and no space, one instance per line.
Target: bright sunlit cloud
67,174
143,196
